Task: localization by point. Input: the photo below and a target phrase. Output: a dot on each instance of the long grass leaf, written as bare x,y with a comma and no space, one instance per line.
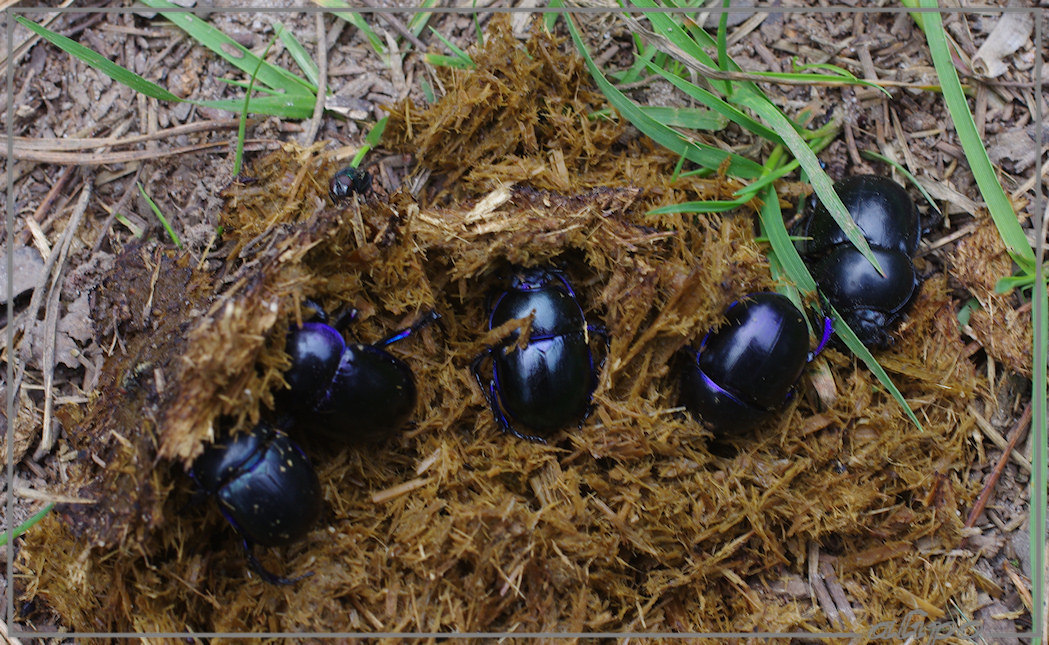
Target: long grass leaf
1039,459
998,204
418,22
749,95
821,183
358,21
230,50
450,45
704,155
160,216
719,105
298,53
242,125
831,79
289,107
786,256
665,25
28,524
690,118
100,62
712,206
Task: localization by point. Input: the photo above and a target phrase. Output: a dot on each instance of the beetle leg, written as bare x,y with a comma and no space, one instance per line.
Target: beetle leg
265,573
430,317
344,318
488,391
601,332
564,281
475,368
504,423
828,331
318,311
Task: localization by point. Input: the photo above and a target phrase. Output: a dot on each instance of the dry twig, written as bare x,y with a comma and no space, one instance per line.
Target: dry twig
988,488
51,318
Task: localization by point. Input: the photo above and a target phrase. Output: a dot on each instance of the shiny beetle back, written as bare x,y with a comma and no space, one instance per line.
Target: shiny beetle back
871,304
744,371
546,384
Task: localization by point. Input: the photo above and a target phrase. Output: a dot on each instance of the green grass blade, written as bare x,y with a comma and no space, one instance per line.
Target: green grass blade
246,84
722,38
749,95
370,141
418,22
633,73
218,42
665,25
99,62
358,21
298,53
707,156
242,125
163,220
690,118
1039,459
478,33
851,341
550,19
786,256
136,232
28,524
443,60
836,79
459,53
289,107
838,71
773,228
821,183
712,206
292,106
998,204
719,105
870,154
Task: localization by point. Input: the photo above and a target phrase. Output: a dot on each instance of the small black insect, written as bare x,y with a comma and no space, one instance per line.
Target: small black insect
349,181
871,304
745,371
265,487
548,383
350,391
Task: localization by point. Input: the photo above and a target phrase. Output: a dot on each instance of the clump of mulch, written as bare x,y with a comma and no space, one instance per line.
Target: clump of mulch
637,520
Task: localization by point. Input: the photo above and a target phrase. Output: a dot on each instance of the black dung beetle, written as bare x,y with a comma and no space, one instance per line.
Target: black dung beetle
350,391
349,181
870,303
548,383
745,371
265,487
